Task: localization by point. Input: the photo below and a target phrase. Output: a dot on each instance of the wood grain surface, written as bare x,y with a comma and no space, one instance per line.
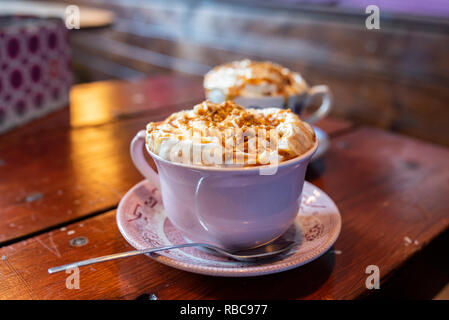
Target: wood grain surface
387,187
75,162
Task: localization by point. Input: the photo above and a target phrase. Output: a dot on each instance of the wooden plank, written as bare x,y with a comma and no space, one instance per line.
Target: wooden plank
334,126
105,101
386,186
55,178
75,162
422,277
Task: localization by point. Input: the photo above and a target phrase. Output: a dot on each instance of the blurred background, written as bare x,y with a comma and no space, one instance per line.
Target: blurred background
395,78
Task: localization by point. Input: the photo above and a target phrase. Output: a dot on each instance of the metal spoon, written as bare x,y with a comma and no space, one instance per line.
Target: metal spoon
262,252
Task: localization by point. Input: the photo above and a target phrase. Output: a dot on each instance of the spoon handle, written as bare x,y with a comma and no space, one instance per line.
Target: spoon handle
120,255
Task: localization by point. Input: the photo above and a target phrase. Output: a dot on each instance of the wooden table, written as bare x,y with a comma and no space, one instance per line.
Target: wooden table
61,177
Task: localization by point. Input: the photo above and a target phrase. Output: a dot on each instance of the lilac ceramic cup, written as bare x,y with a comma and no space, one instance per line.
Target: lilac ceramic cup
233,208
297,103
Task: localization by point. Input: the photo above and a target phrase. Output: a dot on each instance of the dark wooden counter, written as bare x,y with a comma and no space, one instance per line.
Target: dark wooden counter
62,177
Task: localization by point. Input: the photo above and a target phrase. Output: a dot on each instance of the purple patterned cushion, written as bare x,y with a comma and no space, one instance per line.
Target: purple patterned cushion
35,74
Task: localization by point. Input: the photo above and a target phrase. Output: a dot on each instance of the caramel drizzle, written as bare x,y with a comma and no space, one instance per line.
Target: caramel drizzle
283,80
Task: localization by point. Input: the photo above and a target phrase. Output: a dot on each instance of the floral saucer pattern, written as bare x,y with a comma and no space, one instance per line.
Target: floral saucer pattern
142,221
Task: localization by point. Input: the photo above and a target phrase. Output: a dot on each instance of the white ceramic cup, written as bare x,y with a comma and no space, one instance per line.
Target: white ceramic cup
233,208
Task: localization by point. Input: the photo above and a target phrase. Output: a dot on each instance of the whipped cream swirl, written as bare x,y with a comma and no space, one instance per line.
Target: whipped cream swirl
227,134
252,79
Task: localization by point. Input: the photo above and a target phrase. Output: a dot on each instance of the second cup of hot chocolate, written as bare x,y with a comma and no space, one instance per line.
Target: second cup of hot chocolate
255,84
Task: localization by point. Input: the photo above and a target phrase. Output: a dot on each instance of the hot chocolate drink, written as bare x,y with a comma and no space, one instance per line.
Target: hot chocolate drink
226,134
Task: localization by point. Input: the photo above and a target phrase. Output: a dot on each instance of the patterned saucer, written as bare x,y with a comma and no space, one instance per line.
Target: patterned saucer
323,143
142,221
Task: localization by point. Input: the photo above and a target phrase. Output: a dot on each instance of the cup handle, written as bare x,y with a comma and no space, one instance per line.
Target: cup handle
326,104
139,160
